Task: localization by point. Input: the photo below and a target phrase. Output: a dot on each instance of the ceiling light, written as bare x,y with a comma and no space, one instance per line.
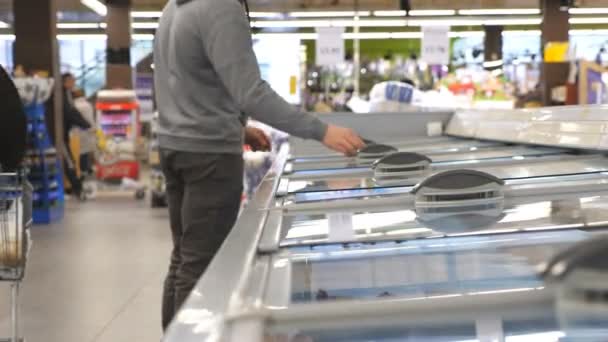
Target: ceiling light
415,13
603,10
390,13
81,36
596,20
466,34
4,25
327,23
146,36
329,14
7,37
265,15
79,25
148,14
145,26
500,11
96,5
474,22
533,33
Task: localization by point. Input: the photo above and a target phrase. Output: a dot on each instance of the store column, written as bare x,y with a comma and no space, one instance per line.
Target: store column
555,28
36,50
493,47
119,73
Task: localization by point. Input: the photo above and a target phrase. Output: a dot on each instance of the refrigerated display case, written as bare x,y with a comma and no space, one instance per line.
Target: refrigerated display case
479,250
118,118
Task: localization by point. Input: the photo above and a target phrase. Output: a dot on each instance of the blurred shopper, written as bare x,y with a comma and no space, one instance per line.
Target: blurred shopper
88,138
13,125
207,83
71,119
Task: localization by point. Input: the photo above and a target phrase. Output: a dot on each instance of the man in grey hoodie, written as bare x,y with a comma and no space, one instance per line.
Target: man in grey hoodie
207,84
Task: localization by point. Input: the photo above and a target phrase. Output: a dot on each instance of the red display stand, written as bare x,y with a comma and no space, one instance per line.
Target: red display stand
118,118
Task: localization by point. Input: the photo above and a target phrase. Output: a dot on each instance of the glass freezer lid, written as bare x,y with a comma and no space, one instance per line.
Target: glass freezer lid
370,193
342,179
543,323
415,269
553,212
471,154
407,144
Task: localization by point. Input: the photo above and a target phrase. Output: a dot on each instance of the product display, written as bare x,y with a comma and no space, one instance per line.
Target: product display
118,117
44,168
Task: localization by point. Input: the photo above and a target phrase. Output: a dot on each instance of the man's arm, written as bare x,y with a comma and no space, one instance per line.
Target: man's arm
227,41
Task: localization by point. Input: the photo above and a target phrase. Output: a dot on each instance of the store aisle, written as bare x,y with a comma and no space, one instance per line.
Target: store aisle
96,276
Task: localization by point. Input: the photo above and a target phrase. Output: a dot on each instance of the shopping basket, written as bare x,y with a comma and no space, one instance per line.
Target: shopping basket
15,219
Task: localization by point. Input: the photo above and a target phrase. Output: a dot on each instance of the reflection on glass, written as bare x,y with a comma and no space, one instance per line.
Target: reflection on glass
449,266
406,224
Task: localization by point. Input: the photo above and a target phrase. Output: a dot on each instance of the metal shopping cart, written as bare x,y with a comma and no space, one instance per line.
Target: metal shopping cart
15,219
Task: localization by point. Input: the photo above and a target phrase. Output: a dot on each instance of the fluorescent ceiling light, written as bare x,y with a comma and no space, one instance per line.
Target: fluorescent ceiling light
390,13
7,37
265,14
4,25
328,23
474,22
148,14
465,34
143,37
415,13
96,5
146,25
80,25
329,14
603,10
596,20
500,11
533,33
81,36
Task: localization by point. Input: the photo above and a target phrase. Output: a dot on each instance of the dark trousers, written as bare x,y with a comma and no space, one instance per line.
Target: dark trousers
69,168
204,194
86,163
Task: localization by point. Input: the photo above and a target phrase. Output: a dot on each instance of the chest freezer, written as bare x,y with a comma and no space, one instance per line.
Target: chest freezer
462,288
520,168
433,209
471,154
427,143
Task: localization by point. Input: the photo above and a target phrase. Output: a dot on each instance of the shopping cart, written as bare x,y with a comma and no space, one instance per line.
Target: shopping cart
15,218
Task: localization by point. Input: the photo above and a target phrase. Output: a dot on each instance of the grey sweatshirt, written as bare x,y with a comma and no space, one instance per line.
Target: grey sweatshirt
208,81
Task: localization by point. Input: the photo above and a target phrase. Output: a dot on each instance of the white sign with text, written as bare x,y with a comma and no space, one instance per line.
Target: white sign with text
330,46
435,45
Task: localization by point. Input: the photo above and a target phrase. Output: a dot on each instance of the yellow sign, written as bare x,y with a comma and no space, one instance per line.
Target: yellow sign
293,85
556,52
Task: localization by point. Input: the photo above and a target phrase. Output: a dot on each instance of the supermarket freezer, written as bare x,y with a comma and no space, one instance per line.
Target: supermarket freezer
506,168
471,153
367,262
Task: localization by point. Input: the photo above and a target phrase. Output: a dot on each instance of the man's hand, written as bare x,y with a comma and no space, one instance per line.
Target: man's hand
343,140
257,139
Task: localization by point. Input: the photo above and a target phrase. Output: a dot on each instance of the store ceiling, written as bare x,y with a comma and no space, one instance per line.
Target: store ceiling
290,5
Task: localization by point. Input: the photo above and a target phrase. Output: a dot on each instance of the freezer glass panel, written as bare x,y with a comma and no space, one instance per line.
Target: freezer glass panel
496,326
318,180
471,154
360,225
419,269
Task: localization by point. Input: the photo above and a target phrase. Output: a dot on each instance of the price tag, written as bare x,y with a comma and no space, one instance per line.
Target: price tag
330,46
435,45
341,227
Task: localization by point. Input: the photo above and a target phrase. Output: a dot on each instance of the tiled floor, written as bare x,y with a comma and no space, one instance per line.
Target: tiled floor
96,276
